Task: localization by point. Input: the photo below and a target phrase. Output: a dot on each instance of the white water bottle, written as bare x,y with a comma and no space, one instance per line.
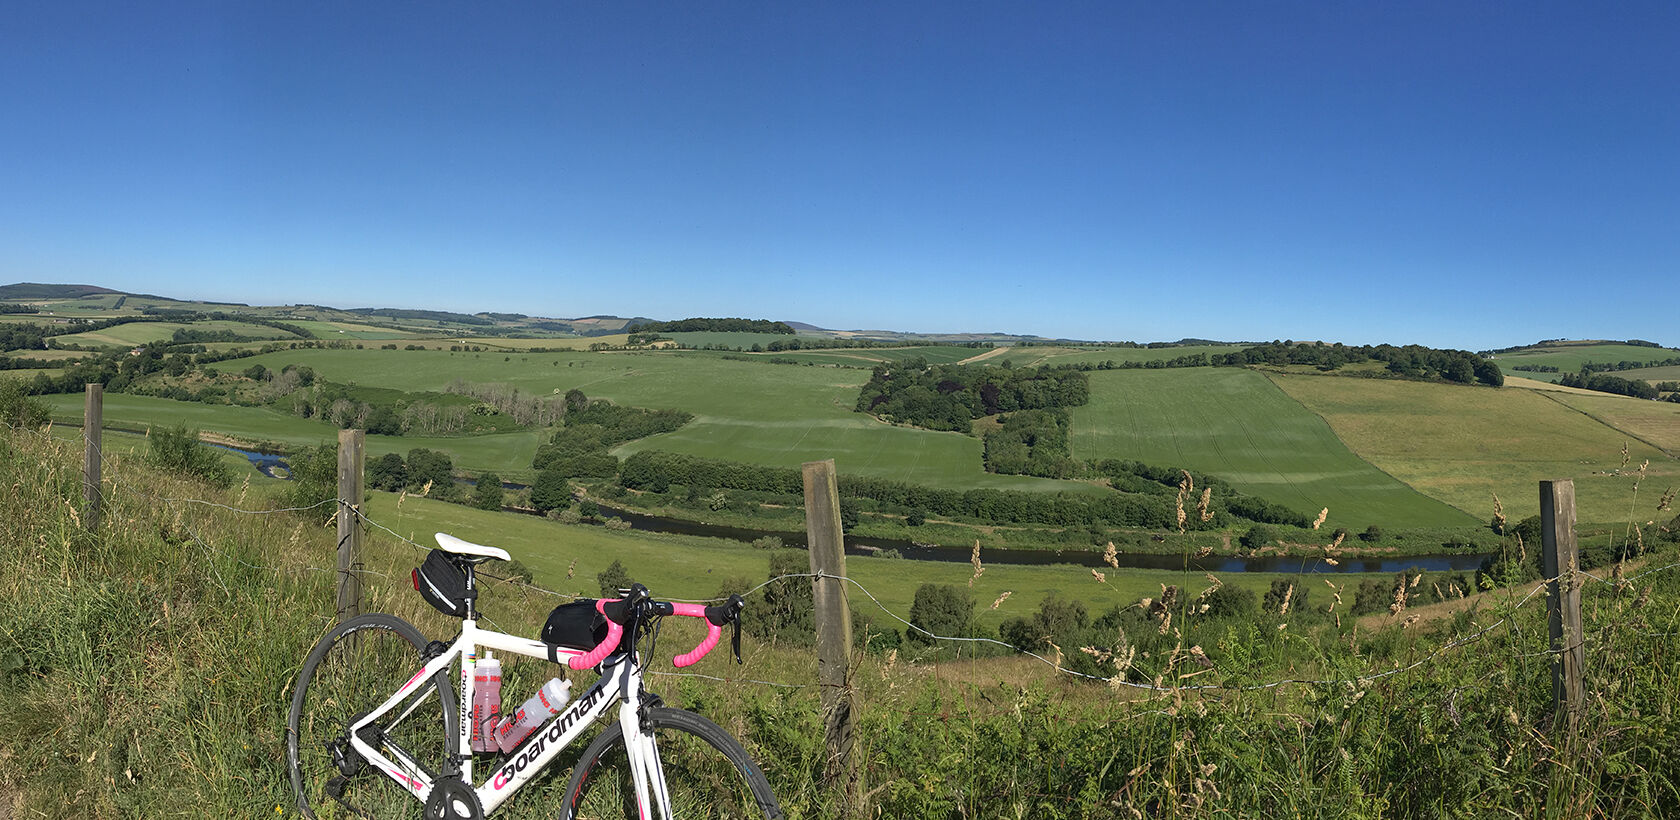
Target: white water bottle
486,704
546,703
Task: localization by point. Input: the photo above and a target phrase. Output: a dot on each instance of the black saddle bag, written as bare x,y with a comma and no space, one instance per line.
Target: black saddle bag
442,583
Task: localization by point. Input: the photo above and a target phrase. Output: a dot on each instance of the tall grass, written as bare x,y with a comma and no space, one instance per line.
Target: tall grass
146,668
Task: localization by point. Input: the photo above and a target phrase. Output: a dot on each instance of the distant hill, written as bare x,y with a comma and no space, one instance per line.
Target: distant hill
33,290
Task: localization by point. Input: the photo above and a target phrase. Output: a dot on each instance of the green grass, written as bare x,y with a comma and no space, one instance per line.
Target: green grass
139,333
1670,373
145,669
1036,355
346,330
1233,423
1568,358
1462,445
254,423
755,413
506,453
871,356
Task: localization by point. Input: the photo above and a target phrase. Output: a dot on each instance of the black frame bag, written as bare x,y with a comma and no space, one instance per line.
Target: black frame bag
575,626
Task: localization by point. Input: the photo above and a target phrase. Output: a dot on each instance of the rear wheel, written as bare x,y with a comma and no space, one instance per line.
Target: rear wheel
351,671
707,773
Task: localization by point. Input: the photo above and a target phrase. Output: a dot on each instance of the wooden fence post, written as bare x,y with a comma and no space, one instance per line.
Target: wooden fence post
1559,563
834,630
350,454
93,435
1563,595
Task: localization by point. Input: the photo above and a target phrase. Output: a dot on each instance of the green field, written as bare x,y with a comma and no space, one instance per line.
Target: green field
755,413
250,423
1233,423
347,330
1037,355
139,333
1462,445
1568,358
871,356
506,453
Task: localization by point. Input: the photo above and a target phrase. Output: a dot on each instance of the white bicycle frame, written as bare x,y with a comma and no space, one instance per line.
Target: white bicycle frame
621,682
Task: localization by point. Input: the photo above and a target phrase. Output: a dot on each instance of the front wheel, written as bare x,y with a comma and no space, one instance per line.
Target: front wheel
707,773
355,668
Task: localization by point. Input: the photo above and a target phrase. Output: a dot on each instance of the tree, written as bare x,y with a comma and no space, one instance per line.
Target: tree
788,610
1372,534
614,578
429,467
551,491
941,609
387,473
487,494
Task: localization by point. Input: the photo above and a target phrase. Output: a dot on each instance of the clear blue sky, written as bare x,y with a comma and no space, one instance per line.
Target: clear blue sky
1457,174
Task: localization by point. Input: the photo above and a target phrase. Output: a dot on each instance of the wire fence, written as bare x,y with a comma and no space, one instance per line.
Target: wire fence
119,482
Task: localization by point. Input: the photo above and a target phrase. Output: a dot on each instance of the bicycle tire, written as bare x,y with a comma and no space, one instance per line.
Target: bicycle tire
353,669
708,774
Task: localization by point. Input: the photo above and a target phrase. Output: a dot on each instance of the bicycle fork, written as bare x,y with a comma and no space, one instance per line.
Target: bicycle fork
643,754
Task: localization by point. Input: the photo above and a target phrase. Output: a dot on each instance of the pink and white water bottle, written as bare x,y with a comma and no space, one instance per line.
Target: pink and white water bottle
486,704
546,703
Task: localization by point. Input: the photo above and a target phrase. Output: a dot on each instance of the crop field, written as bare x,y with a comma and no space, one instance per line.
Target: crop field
1233,423
255,423
1462,445
347,330
1036,355
1656,423
1670,373
506,453
1569,358
871,356
691,567
139,333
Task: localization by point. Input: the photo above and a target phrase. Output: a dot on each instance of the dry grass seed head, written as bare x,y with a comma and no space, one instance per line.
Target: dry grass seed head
1111,556
1001,598
1322,514
1203,509
974,559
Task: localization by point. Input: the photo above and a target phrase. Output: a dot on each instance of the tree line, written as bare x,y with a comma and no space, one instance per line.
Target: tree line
1412,361
1609,384
698,325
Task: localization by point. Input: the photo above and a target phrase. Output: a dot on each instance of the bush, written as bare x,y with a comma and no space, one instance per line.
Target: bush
19,410
1257,536
177,450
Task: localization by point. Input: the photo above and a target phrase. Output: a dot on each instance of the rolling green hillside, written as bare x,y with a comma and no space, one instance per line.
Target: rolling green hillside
1462,445
1236,424
1568,358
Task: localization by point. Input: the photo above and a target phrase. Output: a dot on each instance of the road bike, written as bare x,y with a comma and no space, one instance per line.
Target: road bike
379,727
